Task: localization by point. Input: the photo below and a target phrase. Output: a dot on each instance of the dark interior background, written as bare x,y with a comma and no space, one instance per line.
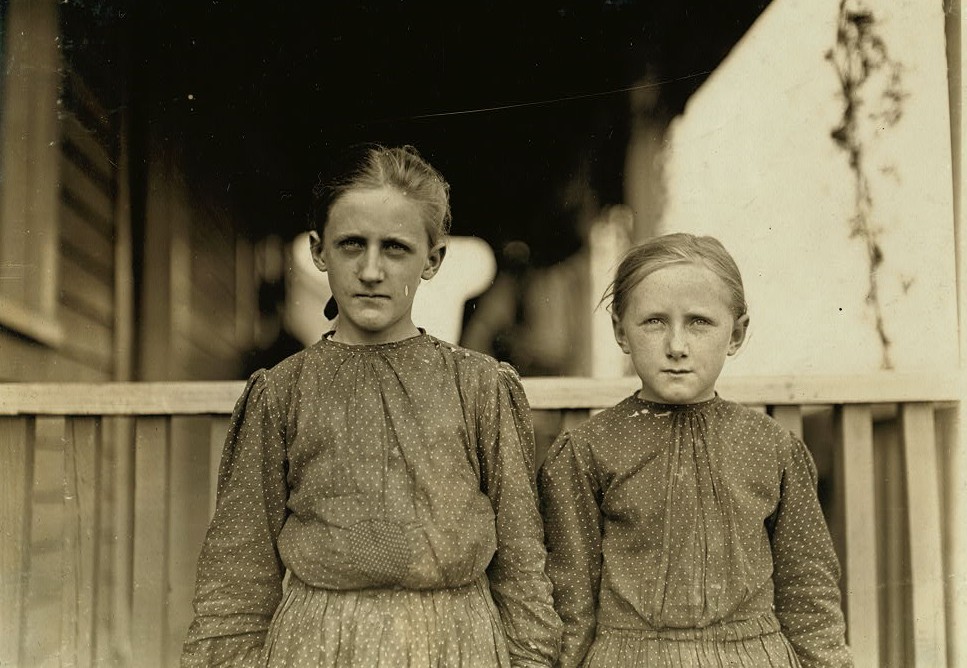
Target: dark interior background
510,100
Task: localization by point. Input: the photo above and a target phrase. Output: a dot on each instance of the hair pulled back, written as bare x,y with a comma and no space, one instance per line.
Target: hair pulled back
671,249
373,166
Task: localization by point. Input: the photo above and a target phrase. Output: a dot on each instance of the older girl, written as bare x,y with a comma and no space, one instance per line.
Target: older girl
684,529
387,471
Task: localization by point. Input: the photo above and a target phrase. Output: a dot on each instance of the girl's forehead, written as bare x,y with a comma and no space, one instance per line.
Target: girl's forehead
690,281
375,209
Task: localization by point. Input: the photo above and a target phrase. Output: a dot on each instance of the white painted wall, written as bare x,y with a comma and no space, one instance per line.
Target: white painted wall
751,161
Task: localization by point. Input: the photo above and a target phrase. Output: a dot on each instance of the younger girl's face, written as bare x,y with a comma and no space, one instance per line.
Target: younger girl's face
375,250
678,328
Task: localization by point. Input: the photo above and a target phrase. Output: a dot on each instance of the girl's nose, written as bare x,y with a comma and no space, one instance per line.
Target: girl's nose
371,267
676,346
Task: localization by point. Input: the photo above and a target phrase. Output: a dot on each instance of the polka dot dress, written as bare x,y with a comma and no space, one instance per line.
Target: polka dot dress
689,536
394,483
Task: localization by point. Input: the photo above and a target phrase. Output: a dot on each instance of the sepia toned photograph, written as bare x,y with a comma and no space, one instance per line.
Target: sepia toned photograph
482,335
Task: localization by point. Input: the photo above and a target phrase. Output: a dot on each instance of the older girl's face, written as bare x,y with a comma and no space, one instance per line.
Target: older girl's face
375,250
679,328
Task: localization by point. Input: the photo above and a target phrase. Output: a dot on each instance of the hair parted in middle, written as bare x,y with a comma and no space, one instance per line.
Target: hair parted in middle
670,249
372,166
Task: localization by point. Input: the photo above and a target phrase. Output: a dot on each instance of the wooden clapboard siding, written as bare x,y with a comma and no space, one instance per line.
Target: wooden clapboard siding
85,292
86,195
27,360
87,231
85,308
211,331
88,243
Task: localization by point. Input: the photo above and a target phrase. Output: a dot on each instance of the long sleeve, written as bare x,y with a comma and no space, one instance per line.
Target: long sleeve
239,582
572,519
806,571
518,582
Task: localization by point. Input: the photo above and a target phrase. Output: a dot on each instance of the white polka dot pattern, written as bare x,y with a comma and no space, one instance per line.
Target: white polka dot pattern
403,471
689,536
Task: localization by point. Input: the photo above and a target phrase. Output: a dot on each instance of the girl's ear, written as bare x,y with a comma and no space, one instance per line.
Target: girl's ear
315,247
620,335
739,329
433,261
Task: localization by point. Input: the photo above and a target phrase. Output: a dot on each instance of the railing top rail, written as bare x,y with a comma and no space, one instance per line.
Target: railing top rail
219,397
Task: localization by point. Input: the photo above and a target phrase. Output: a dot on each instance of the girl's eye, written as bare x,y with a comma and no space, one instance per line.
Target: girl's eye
397,248
351,244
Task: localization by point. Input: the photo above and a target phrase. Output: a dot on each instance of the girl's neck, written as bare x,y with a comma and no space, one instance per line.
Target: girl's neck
353,338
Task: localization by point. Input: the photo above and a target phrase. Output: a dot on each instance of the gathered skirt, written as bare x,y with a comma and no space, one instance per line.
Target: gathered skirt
753,643
389,628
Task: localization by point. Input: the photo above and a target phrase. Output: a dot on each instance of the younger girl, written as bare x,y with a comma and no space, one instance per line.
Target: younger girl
684,529
388,472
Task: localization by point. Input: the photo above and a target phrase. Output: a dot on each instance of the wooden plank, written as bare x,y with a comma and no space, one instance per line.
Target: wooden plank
81,540
855,487
218,397
926,547
29,322
790,417
123,553
151,511
30,132
176,398
70,554
86,292
88,143
78,237
879,387
86,195
16,462
105,563
216,443
42,627
27,360
89,341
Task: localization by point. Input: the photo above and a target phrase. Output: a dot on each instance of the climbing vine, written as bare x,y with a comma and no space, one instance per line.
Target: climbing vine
872,92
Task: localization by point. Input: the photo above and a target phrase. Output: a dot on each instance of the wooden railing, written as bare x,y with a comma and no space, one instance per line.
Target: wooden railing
107,490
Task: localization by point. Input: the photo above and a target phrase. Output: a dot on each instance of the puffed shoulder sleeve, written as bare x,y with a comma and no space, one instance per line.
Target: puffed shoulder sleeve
570,504
518,582
806,570
239,582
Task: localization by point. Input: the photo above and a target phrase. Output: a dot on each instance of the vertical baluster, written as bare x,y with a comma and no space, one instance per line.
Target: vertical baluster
69,555
45,586
17,465
124,543
790,417
82,459
216,442
151,506
855,489
926,547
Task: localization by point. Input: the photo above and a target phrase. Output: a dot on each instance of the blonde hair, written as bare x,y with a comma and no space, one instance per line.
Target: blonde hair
670,249
402,168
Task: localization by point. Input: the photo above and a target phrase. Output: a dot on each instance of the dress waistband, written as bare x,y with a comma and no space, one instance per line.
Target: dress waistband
742,629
